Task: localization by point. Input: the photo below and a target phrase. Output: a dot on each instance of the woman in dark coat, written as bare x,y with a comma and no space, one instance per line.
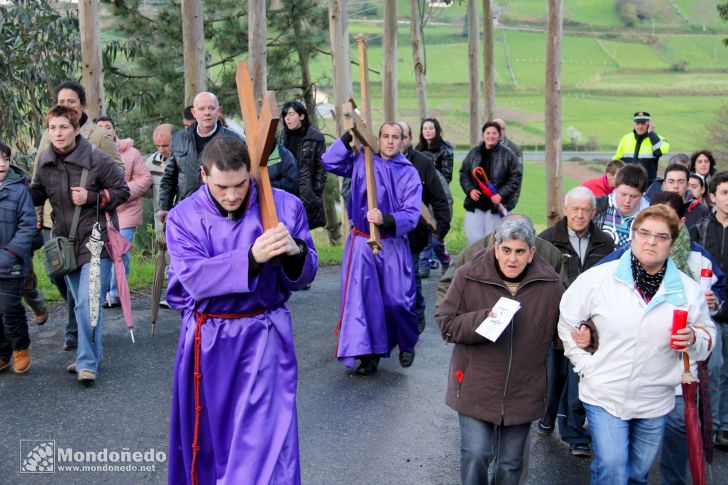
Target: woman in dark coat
307,145
431,142
482,213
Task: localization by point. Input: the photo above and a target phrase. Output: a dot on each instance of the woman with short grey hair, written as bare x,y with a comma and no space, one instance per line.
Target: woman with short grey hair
516,228
499,387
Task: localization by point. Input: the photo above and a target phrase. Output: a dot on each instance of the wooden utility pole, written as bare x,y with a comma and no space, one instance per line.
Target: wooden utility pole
257,49
418,57
341,63
193,45
389,61
474,71
488,62
553,111
92,67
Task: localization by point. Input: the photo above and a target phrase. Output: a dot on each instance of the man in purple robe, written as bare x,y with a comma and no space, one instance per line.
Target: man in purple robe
377,291
233,417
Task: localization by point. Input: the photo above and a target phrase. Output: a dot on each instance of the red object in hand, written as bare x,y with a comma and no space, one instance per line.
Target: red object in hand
459,376
706,273
679,320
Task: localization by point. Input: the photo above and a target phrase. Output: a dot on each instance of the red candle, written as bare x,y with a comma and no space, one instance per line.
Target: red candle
679,320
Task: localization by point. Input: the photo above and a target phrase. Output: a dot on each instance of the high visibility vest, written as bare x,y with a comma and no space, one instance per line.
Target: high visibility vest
648,150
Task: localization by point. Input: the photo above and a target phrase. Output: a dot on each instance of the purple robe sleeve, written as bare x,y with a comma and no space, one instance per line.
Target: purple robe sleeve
203,276
297,224
409,189
338,160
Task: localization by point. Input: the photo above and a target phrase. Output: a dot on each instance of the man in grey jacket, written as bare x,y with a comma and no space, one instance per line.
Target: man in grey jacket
182,173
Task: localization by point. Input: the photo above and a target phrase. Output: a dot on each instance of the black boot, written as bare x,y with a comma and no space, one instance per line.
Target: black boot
368,366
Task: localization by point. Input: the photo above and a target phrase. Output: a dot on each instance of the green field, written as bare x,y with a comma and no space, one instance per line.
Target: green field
608,71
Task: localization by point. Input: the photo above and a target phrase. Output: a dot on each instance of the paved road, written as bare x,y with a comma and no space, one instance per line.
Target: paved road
392,428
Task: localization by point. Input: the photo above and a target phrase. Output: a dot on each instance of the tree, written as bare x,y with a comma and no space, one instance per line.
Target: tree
488,62
40,49
554,30
389,61
193,45
143,70
304,26
92,72
723,12
473,73
418,55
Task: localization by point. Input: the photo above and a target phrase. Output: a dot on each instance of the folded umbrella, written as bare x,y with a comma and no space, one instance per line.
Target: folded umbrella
692,425
481,178
117,246
159,265
95,245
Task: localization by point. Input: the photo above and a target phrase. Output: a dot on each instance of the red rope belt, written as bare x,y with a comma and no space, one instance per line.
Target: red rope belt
201,319
356,232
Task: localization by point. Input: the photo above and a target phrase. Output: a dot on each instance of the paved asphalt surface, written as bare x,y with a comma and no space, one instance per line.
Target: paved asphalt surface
392,428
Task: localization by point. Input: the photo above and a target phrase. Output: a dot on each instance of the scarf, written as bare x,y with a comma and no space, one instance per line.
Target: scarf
681,251
647,284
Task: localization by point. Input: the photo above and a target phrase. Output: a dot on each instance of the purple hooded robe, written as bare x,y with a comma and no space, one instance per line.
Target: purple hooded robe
377,291
248,428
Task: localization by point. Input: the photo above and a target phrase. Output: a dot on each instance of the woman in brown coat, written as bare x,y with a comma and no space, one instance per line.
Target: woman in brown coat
500,386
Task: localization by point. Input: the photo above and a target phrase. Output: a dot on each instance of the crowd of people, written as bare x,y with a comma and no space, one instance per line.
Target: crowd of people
588,348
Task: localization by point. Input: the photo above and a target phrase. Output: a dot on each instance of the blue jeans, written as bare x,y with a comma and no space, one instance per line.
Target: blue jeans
481,441
13,322
674,456
624,449
128,234
90,351
718,367
563,400
435,249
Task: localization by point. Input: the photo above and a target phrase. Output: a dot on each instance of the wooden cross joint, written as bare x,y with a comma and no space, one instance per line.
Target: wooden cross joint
260,132
355,124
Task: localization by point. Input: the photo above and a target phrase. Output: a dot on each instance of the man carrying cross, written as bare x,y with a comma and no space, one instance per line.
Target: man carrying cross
233,417
377,290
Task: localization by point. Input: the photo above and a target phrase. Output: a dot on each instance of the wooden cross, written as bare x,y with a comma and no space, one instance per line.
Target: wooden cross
260,133
361,132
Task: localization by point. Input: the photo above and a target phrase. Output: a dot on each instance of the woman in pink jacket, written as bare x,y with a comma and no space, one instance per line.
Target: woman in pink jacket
131,213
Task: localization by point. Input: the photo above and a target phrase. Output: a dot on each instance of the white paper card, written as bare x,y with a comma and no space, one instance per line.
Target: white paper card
493,327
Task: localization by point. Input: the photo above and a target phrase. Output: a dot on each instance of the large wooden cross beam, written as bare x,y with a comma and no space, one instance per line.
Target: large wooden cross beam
360,128
260,133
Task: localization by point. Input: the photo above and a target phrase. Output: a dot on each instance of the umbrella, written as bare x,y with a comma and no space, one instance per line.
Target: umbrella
117,246
487,187
692,426
159,265
94,244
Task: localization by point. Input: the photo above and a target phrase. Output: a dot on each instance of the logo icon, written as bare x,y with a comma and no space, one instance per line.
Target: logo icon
37,456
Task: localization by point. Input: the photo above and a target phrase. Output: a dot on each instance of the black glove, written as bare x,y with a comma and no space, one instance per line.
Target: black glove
346,139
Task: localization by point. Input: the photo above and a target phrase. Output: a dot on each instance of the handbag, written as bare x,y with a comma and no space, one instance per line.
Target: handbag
60,254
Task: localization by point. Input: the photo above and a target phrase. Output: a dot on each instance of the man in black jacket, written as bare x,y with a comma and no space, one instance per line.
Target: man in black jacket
432,195
582,245
182,173
711,232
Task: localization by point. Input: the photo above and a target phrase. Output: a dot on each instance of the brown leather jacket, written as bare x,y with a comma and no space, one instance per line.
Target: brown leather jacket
502,382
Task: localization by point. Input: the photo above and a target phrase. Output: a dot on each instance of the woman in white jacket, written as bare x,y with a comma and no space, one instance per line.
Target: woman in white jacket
628,385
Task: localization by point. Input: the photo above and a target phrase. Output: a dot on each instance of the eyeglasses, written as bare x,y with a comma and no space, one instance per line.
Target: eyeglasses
660,237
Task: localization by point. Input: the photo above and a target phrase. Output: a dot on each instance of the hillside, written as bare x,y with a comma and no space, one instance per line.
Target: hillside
679,73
